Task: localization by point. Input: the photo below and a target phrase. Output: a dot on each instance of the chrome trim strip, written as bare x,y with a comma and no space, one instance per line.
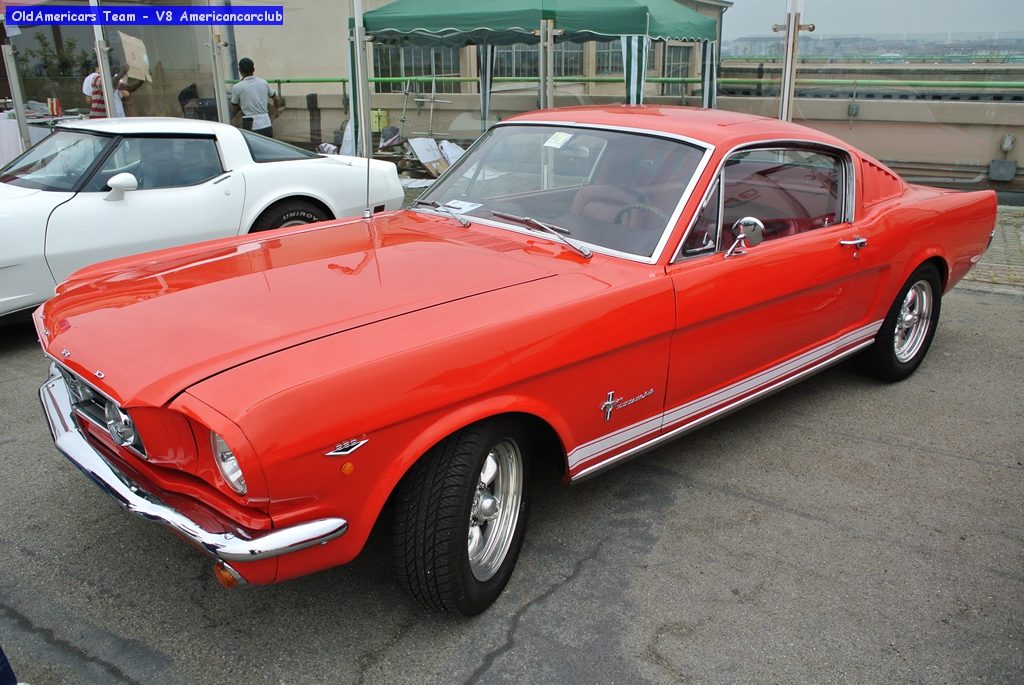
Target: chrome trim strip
81,378
717,414
724,396
227,546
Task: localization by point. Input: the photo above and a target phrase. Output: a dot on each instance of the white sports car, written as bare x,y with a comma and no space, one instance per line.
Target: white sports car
106,188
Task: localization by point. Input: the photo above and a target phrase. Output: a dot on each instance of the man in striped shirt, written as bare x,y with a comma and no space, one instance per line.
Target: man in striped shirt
97,101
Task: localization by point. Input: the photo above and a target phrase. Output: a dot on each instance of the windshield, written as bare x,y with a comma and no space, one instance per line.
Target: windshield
607,189
58,162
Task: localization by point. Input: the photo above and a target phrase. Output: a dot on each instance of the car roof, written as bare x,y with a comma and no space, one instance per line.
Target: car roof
713,126
146,125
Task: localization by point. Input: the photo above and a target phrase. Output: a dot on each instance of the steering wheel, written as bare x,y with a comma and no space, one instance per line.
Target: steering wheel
642,206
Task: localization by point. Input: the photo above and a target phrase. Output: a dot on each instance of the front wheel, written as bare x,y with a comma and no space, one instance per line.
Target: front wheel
460,517
908,329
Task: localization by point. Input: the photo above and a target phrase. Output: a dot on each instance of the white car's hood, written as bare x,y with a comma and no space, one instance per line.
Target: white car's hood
26,210
9,192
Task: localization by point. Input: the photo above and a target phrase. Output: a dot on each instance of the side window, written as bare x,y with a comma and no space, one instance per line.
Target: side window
161,162
790,190
703,236
265,149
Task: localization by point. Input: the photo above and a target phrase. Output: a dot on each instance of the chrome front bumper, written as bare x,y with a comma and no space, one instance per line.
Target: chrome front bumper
235,546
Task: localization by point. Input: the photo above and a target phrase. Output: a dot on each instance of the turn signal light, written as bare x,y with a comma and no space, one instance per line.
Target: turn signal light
224,576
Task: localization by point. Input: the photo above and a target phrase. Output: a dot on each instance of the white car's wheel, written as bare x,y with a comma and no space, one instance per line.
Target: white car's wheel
289,213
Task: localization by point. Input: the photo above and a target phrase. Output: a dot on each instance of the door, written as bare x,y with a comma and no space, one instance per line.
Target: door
183,195
749,320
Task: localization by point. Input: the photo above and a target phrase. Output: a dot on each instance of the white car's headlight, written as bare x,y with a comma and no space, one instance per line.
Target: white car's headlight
228,464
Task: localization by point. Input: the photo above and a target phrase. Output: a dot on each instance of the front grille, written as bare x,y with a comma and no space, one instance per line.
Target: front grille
91,405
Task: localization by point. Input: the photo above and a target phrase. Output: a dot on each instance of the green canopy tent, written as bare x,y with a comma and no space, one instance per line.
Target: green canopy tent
469,22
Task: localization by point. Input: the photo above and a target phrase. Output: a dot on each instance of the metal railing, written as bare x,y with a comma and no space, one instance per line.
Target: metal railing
843,83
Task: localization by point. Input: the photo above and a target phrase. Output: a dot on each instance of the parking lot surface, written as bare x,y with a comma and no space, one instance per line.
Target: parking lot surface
843,530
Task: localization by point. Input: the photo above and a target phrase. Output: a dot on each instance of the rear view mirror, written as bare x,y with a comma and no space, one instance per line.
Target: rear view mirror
120,183
748,231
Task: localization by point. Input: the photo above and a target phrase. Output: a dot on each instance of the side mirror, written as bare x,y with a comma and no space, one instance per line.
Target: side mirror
119,184
748,231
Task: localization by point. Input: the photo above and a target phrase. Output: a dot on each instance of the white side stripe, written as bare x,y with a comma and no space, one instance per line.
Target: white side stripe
612,441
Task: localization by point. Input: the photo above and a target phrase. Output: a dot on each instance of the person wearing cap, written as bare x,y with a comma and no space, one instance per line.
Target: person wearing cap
250,95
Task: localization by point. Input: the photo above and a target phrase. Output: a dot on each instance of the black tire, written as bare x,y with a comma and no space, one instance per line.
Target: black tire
436,511
902,342
288,213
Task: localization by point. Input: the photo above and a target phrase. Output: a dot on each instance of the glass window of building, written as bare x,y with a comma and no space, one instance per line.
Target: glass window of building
677,65
391,61
608,57
521,60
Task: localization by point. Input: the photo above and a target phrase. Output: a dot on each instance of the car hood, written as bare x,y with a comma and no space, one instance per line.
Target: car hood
10,192
145,328
19,206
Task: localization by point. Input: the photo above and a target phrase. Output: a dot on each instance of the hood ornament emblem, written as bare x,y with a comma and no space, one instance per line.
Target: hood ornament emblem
65,353
99,374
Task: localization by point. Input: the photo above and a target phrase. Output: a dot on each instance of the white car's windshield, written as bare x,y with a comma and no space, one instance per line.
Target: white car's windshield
607,189
58,162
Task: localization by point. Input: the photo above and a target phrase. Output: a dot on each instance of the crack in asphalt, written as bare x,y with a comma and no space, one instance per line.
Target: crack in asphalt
510,635
653,652
373,656
25,623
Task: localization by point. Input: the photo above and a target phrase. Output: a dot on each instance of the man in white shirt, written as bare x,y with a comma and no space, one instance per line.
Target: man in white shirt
87,83
250,95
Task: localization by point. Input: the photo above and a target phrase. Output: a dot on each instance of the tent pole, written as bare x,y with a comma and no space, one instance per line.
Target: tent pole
361,88
542,65
549,47
485,73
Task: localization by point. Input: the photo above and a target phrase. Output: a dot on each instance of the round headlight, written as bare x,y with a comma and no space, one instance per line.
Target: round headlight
228,464
119,425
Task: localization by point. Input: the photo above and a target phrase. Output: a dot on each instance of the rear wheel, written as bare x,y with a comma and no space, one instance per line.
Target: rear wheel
908,329
288,213
460,517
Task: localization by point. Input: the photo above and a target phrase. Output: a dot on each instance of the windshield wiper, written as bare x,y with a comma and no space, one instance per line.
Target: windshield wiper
444,208
556,231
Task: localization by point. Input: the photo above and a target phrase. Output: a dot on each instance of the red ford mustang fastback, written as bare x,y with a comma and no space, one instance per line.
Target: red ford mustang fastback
583,285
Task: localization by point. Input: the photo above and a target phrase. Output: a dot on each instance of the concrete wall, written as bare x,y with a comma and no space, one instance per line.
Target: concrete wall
937,142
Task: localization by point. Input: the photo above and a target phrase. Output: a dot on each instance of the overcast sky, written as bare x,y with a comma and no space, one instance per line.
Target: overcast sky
830,17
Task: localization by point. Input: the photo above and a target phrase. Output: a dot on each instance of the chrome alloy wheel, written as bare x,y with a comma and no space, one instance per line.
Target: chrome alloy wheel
495,510
913,321
293,222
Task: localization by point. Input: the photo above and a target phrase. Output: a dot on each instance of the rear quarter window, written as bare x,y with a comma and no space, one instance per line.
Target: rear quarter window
265,149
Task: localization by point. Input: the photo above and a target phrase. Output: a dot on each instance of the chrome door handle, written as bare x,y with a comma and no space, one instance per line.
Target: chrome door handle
856,242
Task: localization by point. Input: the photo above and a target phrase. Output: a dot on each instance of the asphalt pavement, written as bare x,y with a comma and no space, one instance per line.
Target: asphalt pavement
843,530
